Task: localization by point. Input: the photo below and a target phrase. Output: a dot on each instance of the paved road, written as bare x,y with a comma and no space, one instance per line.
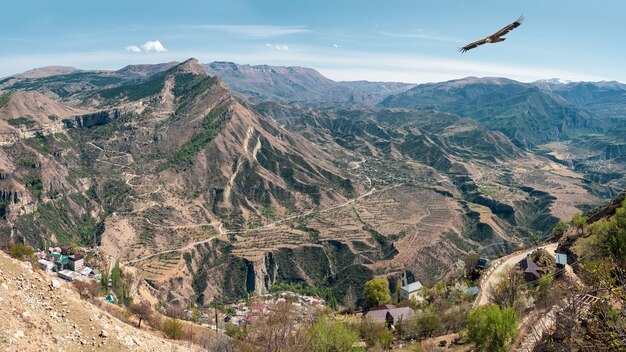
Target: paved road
495,275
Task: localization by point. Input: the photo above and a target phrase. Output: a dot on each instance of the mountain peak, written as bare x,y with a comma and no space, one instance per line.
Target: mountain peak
191,66
47,71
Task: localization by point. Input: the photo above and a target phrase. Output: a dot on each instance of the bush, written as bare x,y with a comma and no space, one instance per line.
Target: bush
173,329
87,289
22,252
376,334
328,334
492,329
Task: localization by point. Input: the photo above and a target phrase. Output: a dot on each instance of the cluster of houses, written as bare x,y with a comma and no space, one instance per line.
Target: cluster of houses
67,265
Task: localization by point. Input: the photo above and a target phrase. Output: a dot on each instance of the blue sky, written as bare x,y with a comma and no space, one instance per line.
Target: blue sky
394,40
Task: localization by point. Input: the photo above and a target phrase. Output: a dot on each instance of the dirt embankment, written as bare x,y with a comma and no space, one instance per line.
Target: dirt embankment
41,313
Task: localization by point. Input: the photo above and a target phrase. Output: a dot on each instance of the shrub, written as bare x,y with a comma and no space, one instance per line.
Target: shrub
22,252
492,329
173,329
327,334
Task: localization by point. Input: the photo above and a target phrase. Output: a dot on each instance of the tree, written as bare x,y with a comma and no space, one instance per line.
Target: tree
327,334
375,335
559,230
579,221
87,289
116,274
142,311
349,299
492,328
124,296
280,331
173,329
507,292
470,261
377,292
104,277
427,324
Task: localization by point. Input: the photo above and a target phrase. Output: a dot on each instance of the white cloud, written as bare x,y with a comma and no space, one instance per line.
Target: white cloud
254,31
133,48
279,47
155,46
149,46
336,46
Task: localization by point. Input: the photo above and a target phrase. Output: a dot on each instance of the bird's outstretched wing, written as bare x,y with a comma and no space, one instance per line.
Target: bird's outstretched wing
473,45
509,28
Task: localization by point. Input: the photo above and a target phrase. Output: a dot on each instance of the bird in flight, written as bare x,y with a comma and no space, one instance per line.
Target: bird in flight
494,38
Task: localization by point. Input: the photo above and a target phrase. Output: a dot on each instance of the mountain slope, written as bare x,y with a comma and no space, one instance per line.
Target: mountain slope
299,85
526,114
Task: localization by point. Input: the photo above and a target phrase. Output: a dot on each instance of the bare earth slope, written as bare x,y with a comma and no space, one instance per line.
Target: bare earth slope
37,317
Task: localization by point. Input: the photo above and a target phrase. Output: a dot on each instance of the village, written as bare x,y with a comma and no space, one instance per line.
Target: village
65,264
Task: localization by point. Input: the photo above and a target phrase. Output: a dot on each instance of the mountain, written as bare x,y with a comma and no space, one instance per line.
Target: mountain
526,114
299,85
47,72
213,195
606,100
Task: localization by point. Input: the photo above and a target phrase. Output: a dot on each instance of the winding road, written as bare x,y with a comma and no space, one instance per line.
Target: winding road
494,276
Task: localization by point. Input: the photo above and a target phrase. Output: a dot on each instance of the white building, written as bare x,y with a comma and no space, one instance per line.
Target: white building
411,291
45,265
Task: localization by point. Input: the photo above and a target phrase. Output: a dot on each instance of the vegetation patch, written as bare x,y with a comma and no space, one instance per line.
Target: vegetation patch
4,99
21,121
210,127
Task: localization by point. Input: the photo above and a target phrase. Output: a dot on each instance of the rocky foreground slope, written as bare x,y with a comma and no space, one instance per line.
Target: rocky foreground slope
40,313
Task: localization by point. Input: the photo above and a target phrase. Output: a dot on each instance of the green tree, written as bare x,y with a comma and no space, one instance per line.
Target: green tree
173,329
579,221
116,274
611,233
427,324
329,335
470,261
377,292
559,230
104,278
492,329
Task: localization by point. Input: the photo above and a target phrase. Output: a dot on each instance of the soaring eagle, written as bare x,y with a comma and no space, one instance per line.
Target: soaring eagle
494,38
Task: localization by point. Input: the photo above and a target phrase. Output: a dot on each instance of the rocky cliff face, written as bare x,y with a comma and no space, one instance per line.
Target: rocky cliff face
92,119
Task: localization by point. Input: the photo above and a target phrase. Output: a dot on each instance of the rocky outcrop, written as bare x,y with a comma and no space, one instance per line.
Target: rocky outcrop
93,119
10,196
606,210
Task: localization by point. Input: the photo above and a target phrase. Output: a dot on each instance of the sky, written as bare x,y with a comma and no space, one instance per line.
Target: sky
395,40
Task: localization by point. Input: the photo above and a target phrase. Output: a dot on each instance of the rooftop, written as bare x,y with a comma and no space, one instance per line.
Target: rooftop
410,288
